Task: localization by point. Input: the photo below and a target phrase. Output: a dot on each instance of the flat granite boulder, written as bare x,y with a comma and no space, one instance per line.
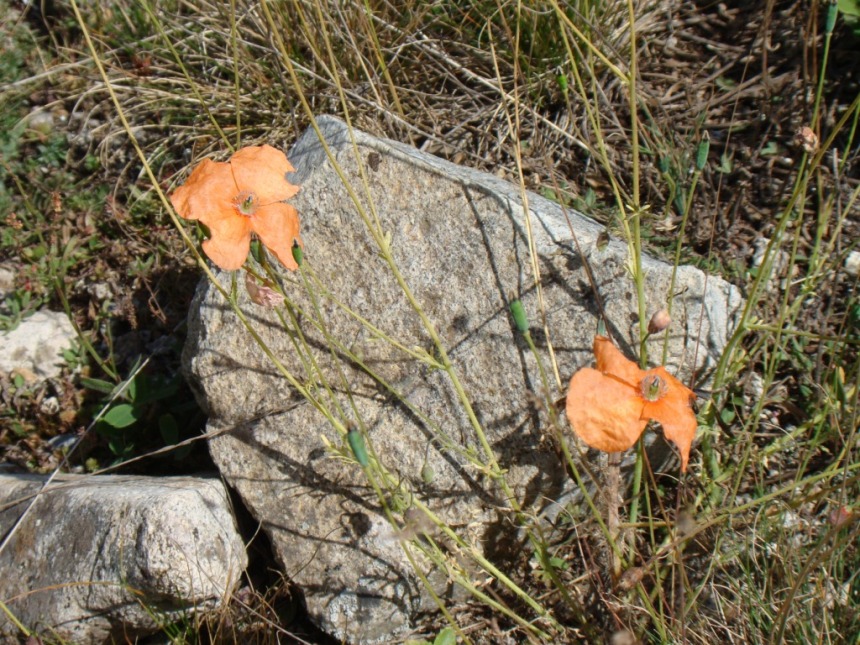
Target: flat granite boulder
104,559
356,342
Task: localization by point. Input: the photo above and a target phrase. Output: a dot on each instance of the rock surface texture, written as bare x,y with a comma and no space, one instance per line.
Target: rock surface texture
459,239
35,347
99,559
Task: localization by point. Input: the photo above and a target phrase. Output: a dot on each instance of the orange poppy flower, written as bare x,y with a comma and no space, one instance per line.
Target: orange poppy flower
609,407
242,196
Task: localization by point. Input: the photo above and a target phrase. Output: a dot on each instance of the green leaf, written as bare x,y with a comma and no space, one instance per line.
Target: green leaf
849,7
770,149
169,429
590,198
446,637
97,385
257,252
119,447
702,152
155,389
121,416
724,83
134,388
558,563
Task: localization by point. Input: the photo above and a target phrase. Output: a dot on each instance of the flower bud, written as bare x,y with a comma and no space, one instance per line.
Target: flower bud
659,321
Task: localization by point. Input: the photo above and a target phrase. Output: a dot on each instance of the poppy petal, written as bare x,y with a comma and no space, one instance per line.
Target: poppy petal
612,362
674,412
230,242
263,170
603,412
277,225
207,194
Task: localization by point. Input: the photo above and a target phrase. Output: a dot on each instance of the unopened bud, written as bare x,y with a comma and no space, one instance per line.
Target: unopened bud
519,314
298,252
659,321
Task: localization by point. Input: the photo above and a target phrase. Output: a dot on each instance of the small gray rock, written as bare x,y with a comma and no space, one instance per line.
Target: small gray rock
37,344
99,559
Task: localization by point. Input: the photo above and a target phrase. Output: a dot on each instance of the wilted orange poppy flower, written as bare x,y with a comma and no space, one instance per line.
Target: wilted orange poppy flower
609,407
242,196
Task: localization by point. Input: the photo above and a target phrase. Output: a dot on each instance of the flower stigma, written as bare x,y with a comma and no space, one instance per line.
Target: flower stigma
246,203
653,388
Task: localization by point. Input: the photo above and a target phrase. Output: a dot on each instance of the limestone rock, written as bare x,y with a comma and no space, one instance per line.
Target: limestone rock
36,345
459,239
98,559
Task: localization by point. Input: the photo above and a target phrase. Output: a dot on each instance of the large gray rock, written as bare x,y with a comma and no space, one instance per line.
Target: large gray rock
99,559
459,239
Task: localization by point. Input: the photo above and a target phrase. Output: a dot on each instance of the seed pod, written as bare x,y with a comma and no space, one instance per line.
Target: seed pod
519,314
257,251
298,253
358,447
427,473
830,21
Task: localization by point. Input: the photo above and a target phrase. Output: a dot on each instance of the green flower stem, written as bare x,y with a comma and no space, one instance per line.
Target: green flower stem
443,440
382,241
436,599
377,333
168,40
636,492
14,619
479,559
487,565
670,294
598,517
370,473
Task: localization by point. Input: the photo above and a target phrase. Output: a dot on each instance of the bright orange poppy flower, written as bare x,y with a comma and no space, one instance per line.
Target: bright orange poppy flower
609,407
242,196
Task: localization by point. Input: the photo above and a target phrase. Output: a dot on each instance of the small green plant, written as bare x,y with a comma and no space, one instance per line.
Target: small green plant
144,412
18,305
850,10
446,636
